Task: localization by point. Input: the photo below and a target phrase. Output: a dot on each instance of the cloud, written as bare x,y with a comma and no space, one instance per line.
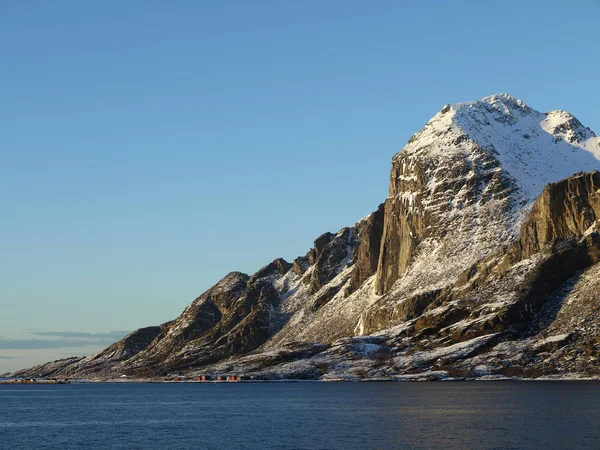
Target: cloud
111,335
61,339
39,344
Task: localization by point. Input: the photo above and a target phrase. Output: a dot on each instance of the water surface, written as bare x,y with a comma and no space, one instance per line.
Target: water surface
304,415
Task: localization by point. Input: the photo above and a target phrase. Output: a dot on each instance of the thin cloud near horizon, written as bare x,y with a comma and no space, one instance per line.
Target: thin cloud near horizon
63,339
117,334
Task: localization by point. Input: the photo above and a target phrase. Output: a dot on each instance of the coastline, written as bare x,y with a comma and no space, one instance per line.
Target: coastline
400,379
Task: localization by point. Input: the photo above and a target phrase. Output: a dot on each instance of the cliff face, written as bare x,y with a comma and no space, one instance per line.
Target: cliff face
471,267
439,197
565,209
370,232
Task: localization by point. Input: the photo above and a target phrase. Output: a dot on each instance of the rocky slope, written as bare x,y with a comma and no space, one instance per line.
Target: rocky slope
483,261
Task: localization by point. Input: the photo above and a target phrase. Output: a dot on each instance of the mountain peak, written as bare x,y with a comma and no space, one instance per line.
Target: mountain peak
498,104
501,102
534,148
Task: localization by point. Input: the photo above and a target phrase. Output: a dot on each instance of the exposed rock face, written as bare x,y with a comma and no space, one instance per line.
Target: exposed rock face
432,196
129,346
300,265
565,209
279,266
329,257
483,261
370,232
228,319
319,246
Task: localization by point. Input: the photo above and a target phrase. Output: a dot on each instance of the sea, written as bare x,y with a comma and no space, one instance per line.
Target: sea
302,415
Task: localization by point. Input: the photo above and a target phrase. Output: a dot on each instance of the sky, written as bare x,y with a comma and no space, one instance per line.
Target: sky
148,148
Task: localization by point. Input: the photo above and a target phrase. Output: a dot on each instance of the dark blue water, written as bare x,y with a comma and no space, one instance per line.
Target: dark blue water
459,415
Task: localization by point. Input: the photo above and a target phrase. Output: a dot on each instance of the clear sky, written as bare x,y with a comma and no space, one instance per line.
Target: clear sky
150,147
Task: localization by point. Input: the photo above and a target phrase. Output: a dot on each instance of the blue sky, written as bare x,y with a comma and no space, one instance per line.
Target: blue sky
150,147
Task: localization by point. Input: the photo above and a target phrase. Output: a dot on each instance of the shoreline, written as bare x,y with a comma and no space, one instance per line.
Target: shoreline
22,382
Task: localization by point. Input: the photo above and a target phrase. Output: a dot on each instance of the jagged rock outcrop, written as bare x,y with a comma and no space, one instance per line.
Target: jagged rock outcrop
300,265
370,232
279,266
483,261
318,248
329,253
129,346
566,209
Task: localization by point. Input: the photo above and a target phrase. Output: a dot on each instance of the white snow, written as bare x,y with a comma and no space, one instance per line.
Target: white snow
534,148
558,145
551,339
455,350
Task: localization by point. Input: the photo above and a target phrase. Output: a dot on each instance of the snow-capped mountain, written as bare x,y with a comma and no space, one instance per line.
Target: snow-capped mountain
481,261
464,184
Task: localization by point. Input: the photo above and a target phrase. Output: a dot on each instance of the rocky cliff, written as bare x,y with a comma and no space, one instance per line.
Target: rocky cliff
483,261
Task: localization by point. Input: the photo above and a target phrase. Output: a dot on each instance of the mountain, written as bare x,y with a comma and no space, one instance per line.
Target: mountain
482,261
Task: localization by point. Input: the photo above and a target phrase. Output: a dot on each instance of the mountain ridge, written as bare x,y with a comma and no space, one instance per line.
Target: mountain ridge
476,199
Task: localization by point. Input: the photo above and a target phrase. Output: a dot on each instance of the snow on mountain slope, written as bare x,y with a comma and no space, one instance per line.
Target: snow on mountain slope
463,185
535,148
